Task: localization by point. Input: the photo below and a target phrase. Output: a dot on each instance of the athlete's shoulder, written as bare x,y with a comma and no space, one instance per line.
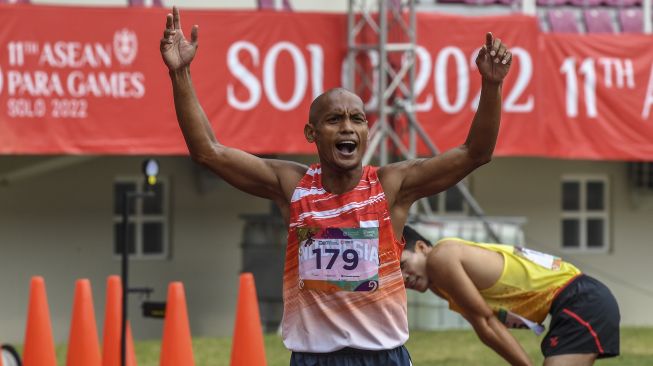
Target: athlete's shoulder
444,253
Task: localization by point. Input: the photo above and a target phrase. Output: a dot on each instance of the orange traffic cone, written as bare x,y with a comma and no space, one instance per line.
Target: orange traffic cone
247,348
176,346
113,326
83,344
39,343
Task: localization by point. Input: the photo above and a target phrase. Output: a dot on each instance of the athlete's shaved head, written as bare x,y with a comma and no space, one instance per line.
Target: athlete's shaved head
317,106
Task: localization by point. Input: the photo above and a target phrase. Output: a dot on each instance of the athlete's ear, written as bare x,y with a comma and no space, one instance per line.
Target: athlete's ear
422,247
309,132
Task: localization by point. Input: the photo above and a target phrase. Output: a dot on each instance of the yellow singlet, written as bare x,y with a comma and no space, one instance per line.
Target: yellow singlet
528,284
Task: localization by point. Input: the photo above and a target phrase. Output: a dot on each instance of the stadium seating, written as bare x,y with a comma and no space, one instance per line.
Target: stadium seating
630,20
585,3
545,3
270,5
598,20
563,21
145,3
623,3
479,2
564,16
550,2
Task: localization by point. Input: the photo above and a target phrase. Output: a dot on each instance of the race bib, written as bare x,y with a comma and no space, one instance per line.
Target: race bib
337,259
512,320
547,261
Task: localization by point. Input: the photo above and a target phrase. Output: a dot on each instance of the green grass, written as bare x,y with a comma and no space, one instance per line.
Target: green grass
445,348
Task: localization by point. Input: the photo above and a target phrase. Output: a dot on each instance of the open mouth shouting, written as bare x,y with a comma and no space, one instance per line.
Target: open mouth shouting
346,148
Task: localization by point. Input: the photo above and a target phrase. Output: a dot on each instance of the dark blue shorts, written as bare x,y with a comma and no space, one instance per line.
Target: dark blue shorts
353,357
584,319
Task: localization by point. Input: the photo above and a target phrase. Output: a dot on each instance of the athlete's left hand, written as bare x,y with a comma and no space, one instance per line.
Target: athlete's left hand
493,60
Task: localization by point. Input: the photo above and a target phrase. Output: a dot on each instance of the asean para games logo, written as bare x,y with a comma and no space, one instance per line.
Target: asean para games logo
125,46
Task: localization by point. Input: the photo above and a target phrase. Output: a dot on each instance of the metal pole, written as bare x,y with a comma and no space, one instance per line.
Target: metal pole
124,270
389,80
529,7
123,275
383,78
476,208
351,52
646,15
412,134
413,52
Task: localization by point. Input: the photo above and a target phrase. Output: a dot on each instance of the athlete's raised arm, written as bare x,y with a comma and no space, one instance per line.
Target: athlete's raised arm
407,181
267,178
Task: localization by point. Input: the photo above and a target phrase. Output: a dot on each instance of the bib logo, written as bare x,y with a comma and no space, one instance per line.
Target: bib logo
125,46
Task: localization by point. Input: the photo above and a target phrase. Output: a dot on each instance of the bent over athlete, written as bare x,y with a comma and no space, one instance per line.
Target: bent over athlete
496,286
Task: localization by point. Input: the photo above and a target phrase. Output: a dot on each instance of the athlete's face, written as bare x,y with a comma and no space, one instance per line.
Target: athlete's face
413,267
339,130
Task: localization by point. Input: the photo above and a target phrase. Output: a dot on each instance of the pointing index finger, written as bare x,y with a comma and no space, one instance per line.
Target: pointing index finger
489,40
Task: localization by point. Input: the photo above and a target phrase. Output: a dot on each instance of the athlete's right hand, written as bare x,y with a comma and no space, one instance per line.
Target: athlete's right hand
176,51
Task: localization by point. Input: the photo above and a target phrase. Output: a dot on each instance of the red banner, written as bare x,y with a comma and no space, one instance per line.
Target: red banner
448,101
98,86
599,89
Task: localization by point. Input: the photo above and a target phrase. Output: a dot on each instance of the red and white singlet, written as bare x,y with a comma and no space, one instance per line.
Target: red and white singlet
342,284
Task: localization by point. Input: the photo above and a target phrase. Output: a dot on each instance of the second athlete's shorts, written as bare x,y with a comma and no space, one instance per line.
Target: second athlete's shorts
584,319
350,356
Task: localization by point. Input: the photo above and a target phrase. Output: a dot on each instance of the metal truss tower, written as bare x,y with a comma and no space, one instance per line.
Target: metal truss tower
381,53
